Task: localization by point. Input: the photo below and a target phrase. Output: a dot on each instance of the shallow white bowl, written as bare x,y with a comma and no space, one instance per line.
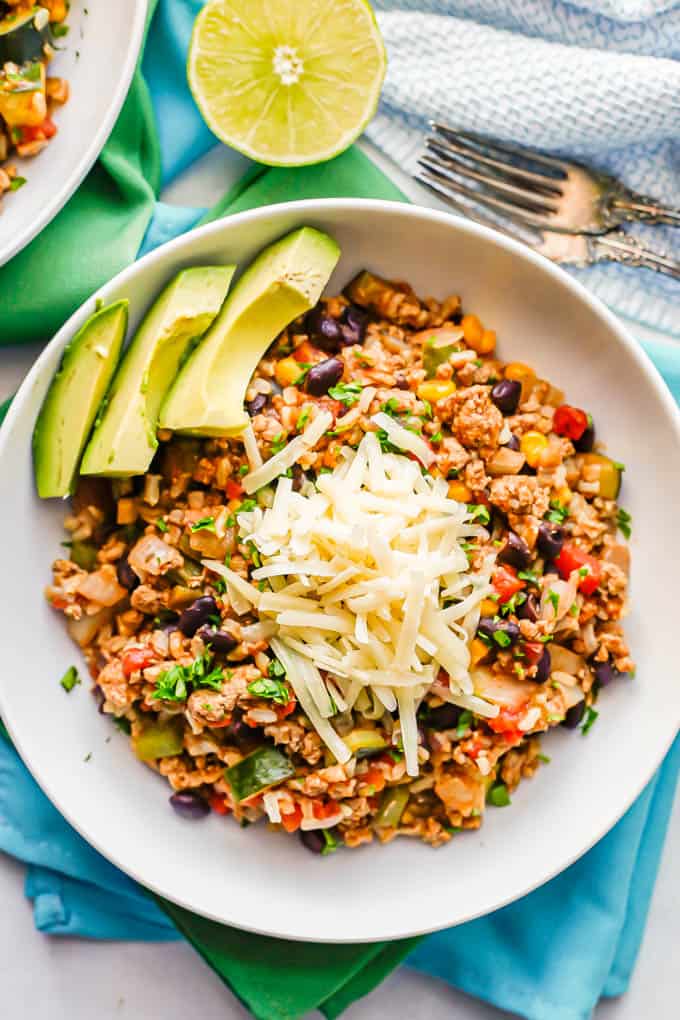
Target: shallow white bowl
98,57
269,883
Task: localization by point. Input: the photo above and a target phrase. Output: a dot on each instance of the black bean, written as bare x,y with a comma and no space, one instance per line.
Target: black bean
587,440
550,540
197,614
219,640
530,609
314,840
512,443
126,575
574,715
543,668
189,805
255,405
445,717
321,377
515,552
505,395
605,674
355,321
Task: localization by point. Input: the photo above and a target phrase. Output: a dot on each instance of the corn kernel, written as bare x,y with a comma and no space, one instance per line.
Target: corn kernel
488,607
478,651
460,492
287,371
473,331
532,445
436,389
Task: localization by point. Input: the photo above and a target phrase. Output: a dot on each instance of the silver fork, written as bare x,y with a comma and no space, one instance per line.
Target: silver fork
566,249
543,191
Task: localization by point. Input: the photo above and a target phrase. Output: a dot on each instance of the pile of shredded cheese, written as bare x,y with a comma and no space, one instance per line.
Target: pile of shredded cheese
367,585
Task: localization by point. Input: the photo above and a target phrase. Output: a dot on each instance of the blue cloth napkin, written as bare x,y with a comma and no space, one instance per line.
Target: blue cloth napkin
592,916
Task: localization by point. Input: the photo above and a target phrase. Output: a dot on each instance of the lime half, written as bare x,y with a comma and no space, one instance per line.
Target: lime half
287,82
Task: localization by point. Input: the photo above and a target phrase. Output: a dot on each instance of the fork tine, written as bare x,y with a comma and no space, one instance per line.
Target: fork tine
513,212
532,199
508,170
499,149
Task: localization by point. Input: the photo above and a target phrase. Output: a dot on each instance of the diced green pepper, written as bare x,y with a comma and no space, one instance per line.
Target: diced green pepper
257,772
366,741
392,806
84,555
159,740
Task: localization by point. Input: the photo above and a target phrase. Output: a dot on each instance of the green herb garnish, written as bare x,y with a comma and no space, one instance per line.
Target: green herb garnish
70,679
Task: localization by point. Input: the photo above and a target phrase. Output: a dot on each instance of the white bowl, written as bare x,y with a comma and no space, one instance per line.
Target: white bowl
98,57
268,883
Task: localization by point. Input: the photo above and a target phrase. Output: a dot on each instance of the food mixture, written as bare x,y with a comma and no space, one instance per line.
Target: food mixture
29,36
356,619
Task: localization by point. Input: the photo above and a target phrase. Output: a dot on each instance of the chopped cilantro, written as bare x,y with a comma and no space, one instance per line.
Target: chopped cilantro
178,682
558,512
498,795
16,183
278,442
70,679
205,524
347,393
267,687
623,522
479,512
464,721
161,524
591,716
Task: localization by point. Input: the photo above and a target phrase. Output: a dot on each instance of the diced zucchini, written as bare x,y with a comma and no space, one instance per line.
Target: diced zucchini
365,741
159,740
392,806
257,772
610,474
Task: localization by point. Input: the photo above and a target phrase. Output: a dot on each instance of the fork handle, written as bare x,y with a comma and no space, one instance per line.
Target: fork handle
620,247
643,209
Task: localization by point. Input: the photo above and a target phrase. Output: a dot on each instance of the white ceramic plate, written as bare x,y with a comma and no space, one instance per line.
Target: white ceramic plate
98,57
269,883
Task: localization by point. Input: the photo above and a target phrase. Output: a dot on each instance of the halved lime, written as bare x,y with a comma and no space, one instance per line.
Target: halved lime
286,82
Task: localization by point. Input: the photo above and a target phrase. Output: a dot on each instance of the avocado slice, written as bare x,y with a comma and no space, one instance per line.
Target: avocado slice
124,440
285,280
75,394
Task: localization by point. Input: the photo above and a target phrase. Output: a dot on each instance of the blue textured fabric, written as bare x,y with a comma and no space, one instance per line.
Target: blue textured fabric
505,66
592,79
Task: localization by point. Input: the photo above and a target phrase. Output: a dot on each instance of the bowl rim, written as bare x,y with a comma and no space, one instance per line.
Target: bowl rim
300,209
97,141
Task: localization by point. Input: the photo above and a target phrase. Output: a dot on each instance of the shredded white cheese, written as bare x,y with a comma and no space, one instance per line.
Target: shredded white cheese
371,591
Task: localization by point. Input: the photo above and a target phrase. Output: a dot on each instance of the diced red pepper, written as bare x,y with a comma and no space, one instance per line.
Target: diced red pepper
506,583
136,659
234,489
571,558
322,810
219,805
291,821
570,421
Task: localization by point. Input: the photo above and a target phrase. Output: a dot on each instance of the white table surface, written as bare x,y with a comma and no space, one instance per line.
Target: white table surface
45,978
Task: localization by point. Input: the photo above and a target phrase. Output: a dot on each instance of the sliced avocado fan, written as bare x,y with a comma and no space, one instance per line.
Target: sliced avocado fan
74,397
285,280
124,439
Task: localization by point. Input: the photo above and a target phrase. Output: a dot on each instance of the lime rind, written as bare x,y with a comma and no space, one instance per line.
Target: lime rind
319,78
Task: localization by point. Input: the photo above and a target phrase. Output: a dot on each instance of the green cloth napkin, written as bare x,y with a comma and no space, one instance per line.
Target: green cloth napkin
275,979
